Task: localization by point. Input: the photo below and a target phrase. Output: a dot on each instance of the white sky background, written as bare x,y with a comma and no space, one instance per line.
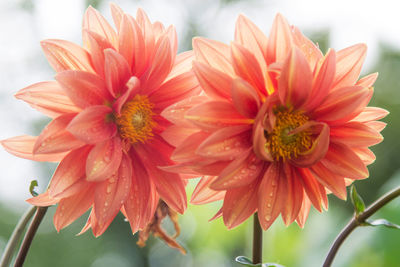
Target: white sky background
22,62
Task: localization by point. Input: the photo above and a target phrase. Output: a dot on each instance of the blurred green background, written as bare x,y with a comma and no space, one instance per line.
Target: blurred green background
209,243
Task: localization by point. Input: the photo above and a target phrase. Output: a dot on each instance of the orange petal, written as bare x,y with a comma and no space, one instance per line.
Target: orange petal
91,125
203,194
240,172
97,44
294,84
63,55
245,98
213,53
104,160
48,98
355,134
83,88
117,15
22,146
71,208
280,40
54,138
239,204
145,26
271,195
117,72
216,84
175,134
371,114
183,63
43,200
186,150
368,81
294,195
304,211
365,154
69,176
311,187
310,50
127,39
111,194
349,62
95,22
330,180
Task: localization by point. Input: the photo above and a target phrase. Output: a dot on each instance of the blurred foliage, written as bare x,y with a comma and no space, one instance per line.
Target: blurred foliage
27,5
93,3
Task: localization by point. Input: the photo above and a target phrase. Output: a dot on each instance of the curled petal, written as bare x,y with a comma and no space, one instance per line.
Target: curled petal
348,65
55,138
84,88
245,98
259,142
104,160
133,86
63,55
280,40
22,146
215,114
294,84
117,72
239,204
203,194
95,22
111,194
48,98
92,125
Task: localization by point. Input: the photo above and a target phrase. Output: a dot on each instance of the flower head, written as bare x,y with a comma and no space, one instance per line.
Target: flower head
105,107
280,127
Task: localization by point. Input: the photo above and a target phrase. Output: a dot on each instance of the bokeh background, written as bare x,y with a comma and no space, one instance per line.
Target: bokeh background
337,24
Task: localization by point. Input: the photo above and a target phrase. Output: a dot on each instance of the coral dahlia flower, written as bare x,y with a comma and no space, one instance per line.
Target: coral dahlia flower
105,107
280,127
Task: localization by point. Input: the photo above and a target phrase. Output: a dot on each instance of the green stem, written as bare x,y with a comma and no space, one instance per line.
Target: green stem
16,236
357,221
257,240
30,234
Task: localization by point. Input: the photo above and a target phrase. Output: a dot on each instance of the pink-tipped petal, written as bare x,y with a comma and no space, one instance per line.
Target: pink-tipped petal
213,53
111,194
117,14
280,40
83,88
22,146
48,98
43,200
97,44
311,51
295,81
117,72
245,98
215,83
239,204
341,160
215,114
127,39
71,208
133,86
182,64
69,176
104,160
348,66
368,81
304,211
203,194
355,134
95,22
92,125
54,138
63,55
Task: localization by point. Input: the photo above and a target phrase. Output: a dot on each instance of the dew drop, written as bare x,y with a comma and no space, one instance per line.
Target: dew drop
267,217
108,189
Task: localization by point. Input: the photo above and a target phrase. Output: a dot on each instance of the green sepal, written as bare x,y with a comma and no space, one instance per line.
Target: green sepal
357,201
34,183
247,262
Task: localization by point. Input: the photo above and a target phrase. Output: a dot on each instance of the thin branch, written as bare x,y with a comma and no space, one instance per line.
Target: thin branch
357,221
257,240
16,237
30,234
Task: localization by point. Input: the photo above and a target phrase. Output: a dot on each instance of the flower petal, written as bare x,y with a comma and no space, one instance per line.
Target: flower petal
215,83
43,200
311,51
368,80
183,63
54,138
330,180
63,55
175,134
186,150
104,160
48,98
22,146
304,211
349,62
371,114
245,98
203,194
95,22
280,40
97,44
294,195
91,125
294,84
311,187
111,194
239,204
355,134
215,114
84,88
117,15
117,72
71,208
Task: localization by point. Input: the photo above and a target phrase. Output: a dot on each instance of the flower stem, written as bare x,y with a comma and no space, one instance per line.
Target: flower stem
16,236
30,234
357,221
257,240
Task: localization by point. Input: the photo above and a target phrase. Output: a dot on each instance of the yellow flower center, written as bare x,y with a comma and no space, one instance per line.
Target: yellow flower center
136,120
281,141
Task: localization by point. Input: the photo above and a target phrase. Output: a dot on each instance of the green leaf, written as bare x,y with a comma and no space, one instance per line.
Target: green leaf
247,262
357,201
382,222
34,183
